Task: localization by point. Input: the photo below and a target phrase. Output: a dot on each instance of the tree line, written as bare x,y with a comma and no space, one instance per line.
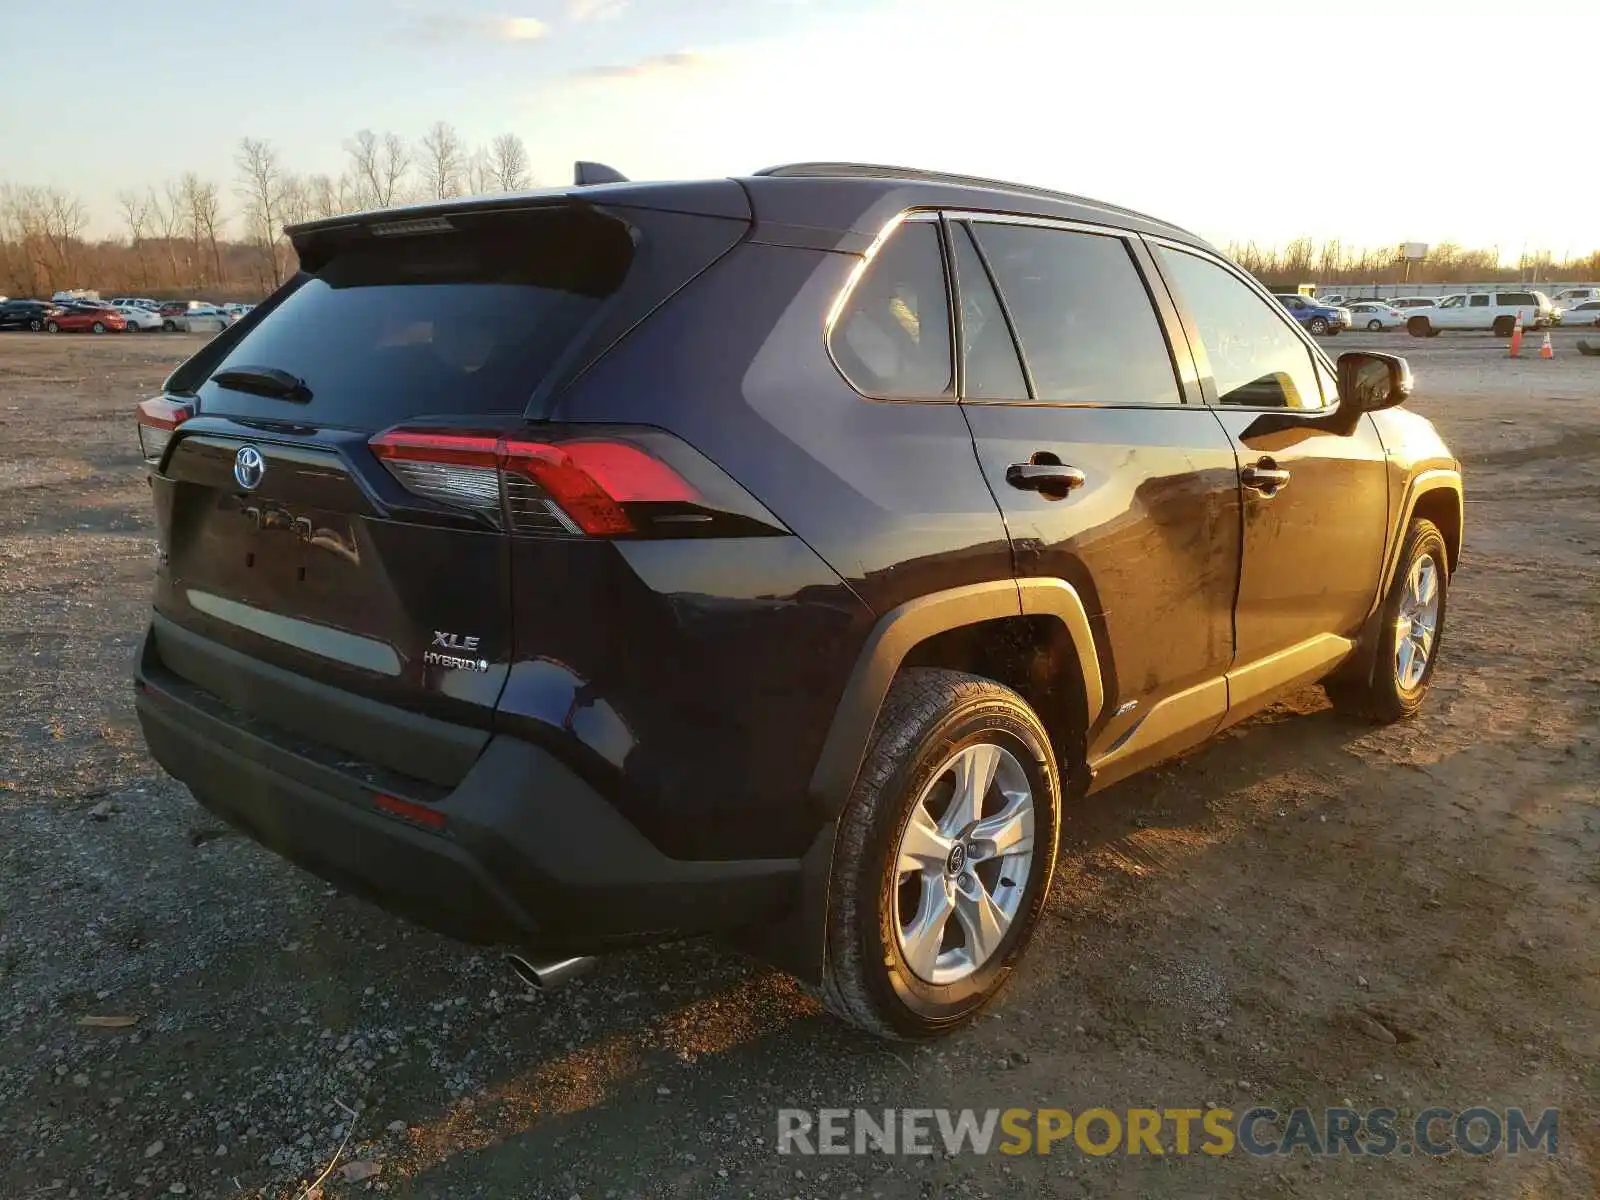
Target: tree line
1306,261
177,238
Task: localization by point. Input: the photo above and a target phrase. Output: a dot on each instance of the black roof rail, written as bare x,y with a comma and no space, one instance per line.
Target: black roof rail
849,170
586,174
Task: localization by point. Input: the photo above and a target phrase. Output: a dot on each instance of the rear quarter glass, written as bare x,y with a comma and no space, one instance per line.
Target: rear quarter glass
464,321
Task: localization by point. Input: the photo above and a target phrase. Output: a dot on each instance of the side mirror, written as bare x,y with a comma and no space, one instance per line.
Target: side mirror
1369,381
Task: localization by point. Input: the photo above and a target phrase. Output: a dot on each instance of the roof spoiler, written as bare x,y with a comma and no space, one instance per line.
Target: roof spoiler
586,174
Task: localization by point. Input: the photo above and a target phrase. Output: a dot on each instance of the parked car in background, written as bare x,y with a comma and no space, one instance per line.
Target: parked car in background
80,317
140,301
1573,296
1490,312
657,653
197,318
237,311
27,314
1414,301
1376,315
1585,314
1324,320
171,308
139,318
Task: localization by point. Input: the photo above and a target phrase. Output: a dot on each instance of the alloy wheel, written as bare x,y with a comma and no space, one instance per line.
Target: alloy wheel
1417,626
963,862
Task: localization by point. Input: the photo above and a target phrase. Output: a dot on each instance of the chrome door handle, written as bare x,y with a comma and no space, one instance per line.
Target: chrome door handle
1265,477
1051,479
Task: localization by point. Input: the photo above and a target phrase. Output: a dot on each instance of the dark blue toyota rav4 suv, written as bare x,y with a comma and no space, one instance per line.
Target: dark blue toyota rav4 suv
777,557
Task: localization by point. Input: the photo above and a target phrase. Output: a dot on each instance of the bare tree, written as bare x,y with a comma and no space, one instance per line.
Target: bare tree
166,218
378,167
260,184
22,231
443,158
202,208
136,217
296,202
510,163
65,219
480,173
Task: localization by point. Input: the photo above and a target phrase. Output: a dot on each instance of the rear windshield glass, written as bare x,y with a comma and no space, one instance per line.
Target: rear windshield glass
466,321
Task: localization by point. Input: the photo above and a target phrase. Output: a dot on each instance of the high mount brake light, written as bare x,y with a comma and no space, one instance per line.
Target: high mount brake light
157,417
578,486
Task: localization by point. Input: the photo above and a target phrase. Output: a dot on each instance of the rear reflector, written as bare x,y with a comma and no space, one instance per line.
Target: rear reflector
578,486
406,810
157,418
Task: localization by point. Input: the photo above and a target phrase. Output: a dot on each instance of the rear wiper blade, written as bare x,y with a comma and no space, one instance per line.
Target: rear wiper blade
263,381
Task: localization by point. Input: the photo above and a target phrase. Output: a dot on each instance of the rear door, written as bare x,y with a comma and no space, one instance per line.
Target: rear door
1315,490
1109,471
1517,304
284,537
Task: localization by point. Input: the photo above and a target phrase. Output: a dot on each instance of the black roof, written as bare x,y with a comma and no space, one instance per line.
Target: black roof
839,205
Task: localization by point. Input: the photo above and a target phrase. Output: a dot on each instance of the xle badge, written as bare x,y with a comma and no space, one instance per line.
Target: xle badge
442,653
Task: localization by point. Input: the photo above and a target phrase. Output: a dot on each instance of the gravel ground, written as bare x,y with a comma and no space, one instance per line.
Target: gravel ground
1223,930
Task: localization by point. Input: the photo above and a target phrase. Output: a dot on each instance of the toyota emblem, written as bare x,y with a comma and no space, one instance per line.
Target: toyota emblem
249,467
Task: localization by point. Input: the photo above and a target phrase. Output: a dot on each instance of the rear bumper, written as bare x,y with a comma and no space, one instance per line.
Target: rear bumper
529,855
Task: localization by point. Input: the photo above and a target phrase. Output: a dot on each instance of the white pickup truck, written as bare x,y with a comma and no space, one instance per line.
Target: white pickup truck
1495,312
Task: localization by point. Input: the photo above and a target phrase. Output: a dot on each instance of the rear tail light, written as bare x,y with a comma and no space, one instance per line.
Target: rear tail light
600,486
157,418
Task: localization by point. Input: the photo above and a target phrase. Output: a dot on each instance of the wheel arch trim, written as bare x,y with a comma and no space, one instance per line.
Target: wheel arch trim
1424,483
898,631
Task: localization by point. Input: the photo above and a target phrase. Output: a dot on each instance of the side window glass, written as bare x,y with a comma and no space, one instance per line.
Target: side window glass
1088,330
988,352
1257,361
1480,302
892,338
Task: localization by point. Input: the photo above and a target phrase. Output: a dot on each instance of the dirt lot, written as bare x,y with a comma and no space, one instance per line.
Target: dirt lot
1215,926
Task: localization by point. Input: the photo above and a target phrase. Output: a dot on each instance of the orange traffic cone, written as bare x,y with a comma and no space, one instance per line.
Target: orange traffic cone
1547,350
1516,338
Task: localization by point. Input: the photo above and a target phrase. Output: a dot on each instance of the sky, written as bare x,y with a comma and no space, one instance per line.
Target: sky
1263,120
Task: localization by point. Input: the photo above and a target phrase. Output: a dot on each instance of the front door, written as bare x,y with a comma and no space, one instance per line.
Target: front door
1106,477
1315,489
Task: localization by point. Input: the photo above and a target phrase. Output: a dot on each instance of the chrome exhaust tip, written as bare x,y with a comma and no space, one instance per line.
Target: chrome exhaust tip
542,976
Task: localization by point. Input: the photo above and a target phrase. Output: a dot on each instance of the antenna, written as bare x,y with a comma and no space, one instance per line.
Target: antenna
586,174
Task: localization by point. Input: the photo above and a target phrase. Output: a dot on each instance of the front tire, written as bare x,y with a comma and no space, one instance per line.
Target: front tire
943,856
1318,326
1411,625
52,327
99,327
35,325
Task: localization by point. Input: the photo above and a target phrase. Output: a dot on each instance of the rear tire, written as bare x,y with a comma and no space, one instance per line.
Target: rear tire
169,327
1375,326
934,725
1419,327
1397,688
35,325
1503,326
